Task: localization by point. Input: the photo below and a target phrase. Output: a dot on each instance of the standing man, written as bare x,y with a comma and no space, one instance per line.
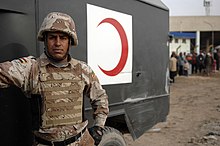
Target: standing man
180,63
173,67
208,62
216,57
194,63
61,82
200,62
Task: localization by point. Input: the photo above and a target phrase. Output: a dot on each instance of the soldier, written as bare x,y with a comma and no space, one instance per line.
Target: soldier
173,67
61,82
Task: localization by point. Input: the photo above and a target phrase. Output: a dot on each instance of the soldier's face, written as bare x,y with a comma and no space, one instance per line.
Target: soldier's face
57,45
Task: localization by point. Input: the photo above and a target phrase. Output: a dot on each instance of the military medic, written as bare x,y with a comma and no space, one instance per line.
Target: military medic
61,82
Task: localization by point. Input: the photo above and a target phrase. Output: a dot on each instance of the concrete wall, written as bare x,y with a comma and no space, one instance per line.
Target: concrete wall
184,47
195,23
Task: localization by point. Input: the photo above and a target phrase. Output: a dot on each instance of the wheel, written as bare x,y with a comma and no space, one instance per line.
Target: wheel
112,137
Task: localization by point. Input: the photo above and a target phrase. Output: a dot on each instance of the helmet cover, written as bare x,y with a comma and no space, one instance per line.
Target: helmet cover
56,21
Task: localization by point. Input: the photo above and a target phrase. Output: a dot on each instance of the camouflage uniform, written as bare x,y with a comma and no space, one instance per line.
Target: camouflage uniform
61,86
25,74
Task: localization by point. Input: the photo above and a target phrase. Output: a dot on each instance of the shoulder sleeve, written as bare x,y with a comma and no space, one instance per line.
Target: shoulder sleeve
97,95
16,72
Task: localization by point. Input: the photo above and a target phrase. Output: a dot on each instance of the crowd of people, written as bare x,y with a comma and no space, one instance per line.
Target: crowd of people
183,64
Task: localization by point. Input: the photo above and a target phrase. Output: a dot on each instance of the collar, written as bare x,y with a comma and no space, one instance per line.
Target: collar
44,61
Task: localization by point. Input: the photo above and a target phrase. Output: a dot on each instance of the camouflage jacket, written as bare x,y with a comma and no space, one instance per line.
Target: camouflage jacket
24,73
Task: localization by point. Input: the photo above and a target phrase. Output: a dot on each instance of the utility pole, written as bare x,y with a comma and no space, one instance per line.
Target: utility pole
207,5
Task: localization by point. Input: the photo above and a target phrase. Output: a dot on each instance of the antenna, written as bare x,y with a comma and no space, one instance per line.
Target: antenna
207,5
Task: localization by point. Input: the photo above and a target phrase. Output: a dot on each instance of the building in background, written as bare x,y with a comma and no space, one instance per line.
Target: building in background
201,17
181,42
206,29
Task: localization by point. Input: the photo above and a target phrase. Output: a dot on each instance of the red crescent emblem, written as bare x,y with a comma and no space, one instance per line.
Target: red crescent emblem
124,44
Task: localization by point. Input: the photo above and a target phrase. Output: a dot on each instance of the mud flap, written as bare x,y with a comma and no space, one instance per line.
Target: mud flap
142,115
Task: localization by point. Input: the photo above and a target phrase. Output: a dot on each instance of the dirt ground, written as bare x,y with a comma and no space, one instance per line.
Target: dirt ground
194,118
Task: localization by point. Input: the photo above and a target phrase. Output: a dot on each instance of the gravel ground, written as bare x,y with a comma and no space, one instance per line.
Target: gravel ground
194,118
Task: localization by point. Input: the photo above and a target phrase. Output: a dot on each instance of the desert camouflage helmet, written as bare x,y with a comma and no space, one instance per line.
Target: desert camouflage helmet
57,21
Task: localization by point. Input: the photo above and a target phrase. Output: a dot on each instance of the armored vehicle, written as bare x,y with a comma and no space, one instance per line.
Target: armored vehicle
124,41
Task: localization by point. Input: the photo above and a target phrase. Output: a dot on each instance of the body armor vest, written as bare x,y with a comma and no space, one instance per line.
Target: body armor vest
62,95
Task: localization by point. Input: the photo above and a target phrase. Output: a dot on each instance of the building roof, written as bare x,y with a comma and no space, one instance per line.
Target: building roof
183,35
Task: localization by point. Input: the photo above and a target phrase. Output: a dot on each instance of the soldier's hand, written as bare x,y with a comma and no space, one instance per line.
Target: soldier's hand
96,132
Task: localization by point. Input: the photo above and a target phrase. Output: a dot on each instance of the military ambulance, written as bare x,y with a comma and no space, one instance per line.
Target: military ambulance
124,41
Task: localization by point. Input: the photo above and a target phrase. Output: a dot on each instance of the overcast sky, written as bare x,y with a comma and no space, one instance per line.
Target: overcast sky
191,7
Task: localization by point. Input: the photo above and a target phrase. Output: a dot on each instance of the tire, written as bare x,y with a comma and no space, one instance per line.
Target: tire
112,137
